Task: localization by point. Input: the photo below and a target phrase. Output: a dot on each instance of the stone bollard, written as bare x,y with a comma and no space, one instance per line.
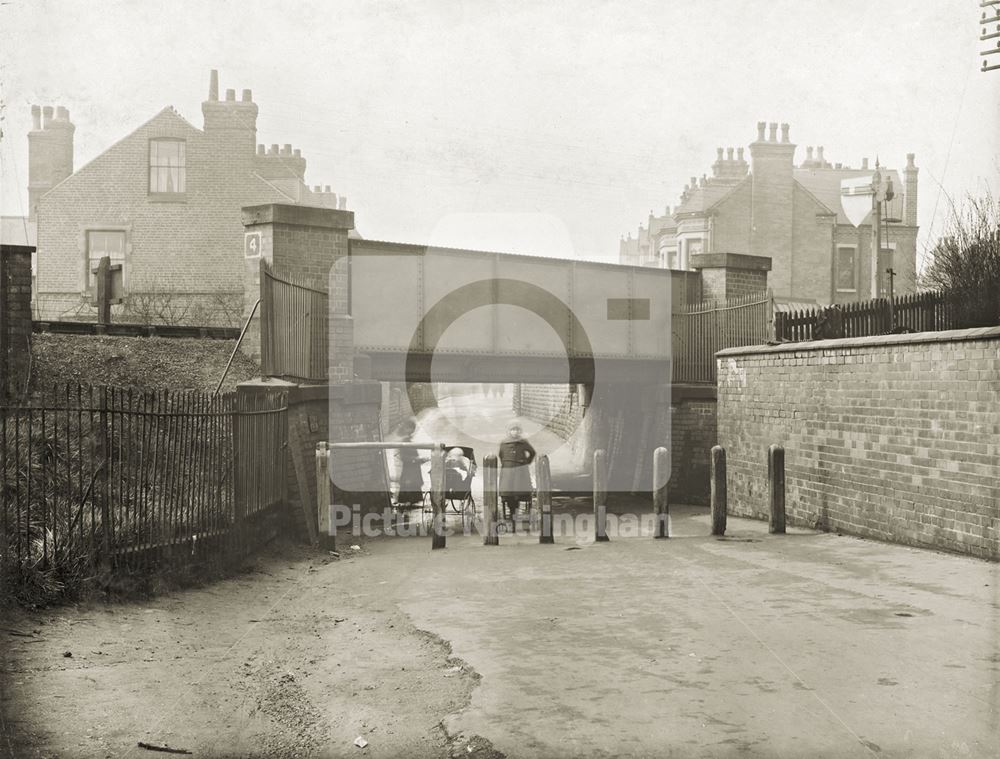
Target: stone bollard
600,496
544,477
661,506
491,533
776,488
326,530
438,539
719,495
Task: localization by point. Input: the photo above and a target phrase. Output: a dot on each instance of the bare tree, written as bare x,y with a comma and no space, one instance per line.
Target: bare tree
965,263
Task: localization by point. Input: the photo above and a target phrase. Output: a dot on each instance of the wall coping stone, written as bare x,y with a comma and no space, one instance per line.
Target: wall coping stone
944,336
301,216
730,261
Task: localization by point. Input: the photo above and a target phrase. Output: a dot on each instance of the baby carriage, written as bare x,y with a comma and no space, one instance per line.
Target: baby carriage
459,470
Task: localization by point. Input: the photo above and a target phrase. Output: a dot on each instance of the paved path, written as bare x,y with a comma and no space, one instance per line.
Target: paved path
755,645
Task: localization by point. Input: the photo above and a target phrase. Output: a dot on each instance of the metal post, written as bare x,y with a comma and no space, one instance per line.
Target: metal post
544,476
661,505
437,497
719,494
325,528
491,536
776,488
600,496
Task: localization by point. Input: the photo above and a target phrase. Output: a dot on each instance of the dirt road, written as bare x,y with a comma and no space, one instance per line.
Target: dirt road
759,645
299,656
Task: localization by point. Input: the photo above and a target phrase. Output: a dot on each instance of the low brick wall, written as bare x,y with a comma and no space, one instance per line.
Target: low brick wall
15,319
894,437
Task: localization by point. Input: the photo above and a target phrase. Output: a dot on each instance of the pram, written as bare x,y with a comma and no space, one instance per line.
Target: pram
459,471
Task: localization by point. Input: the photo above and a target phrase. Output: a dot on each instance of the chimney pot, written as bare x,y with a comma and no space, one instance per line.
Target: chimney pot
864,164
36,117
231,95
274,149
729,154
46,116
694,182
819,154
317,189
909,161
837,166
718,152
784,132
761,126
288,149
809,153
327,189
772,132
261,150
342,205
213,85
62,114
297,153
739,154
247,96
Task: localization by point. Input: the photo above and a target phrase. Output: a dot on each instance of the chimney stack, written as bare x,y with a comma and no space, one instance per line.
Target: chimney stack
230,120
50,152
910,191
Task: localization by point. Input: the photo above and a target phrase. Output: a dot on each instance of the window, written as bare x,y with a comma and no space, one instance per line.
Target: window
167,163
846,272
103,243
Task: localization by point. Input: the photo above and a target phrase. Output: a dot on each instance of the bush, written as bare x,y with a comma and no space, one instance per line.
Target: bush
965,263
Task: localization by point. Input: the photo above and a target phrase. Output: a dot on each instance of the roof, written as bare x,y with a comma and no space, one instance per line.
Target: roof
705,196
824,185
17,230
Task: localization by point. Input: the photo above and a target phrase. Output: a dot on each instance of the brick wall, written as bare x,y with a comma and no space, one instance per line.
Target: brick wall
15,319
892,437
811,266
692,433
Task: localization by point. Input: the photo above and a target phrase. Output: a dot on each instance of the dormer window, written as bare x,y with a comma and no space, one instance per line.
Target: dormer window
167,167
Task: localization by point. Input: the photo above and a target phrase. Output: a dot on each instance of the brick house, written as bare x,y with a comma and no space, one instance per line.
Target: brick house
164,202
791,214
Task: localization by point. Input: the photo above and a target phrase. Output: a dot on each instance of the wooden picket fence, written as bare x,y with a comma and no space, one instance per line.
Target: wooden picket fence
126,479
700,330
916,312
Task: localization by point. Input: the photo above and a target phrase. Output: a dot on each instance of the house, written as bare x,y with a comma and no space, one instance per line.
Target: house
794,215
163,202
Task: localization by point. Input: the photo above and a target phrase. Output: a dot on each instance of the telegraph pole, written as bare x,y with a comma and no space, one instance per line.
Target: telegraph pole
989,20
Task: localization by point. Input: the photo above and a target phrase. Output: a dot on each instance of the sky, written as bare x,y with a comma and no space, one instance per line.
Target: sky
543,128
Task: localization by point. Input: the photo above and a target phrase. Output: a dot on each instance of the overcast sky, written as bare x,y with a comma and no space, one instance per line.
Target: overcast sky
539,128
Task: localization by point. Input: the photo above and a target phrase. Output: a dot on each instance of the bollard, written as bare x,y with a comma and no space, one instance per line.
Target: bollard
491,534
438,539
544,477
776,488
661,505
325,528
600,496
719,494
